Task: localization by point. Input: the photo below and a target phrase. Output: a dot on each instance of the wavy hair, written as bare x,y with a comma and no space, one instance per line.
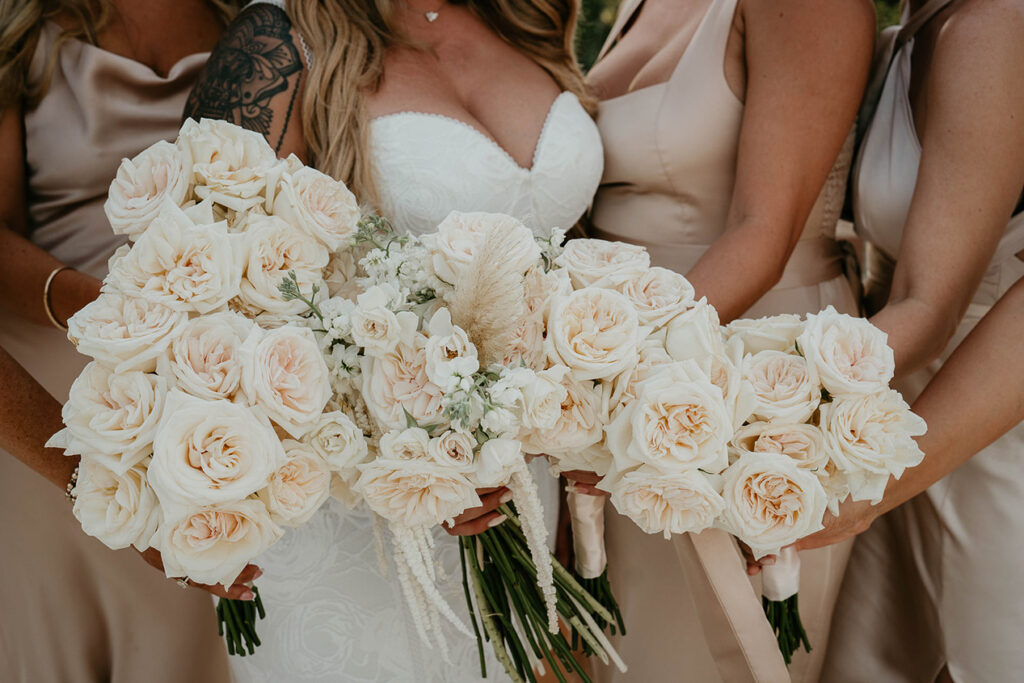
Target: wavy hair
348,39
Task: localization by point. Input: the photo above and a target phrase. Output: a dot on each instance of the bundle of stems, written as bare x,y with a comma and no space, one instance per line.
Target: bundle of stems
500,583
601,589
784,617
236,622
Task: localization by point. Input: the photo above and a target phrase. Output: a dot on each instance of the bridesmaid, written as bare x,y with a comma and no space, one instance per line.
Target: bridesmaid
724,124
82,84
934,586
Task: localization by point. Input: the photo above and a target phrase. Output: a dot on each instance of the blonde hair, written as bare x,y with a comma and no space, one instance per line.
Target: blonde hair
348,39
22,20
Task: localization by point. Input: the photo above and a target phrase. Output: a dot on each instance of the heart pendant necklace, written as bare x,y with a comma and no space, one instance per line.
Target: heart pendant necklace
434,14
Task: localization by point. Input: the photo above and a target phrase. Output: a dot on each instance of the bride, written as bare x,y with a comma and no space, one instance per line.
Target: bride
422,107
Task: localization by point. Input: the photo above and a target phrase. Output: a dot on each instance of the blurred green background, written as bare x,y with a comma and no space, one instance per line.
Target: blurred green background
596,17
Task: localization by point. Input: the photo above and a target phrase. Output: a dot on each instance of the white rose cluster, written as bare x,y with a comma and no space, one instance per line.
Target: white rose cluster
202,421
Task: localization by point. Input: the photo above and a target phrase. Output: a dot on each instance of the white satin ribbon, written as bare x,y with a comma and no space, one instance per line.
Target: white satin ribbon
587,515
781,580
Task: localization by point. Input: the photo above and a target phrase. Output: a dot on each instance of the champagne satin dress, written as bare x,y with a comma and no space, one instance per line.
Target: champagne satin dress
937,579
71,610
670,161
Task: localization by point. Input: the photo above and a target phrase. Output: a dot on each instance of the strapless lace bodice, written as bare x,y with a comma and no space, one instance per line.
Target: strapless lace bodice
427,165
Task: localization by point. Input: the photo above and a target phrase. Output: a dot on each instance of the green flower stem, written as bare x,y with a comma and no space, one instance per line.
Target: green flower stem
472,612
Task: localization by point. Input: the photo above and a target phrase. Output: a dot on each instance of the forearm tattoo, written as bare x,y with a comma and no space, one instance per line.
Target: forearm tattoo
254,61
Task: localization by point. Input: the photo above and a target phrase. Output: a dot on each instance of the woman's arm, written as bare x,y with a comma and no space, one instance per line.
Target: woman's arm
254,79
807,64
971,175
24,267
977,397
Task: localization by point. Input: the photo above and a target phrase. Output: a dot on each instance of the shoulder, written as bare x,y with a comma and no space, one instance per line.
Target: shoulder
980,29
810,19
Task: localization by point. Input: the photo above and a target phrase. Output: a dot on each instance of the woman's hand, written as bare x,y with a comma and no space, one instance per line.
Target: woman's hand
479,519
584,482
854,518
754,566
239,590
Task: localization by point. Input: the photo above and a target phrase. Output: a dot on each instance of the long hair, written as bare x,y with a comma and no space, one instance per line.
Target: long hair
22,20
348,39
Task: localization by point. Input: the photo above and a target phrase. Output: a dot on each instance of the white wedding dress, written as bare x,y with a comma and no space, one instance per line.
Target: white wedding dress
333,612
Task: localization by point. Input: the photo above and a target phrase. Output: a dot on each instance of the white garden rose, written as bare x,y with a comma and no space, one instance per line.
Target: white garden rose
272,250
595,332
415,493
870,438
449,351
319,205
695,334
398,383
411,443
208,452
213,544
340,274
180,264
203,359
454,449
124,332
683,502
113,417
543,399
784,385
802,442
580,423
595,458
772,333
659,295
499,459
726,372
337,440
851,356
284,373
121,510
651,357
678,421
161,171
598,263
771,502
459,237
376,328
299,487
526,346
229,163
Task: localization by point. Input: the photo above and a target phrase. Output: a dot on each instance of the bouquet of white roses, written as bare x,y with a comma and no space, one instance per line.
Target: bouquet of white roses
825,425
435,348
199,420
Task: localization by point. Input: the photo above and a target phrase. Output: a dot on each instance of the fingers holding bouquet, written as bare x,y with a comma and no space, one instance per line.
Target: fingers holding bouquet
479,519
240,588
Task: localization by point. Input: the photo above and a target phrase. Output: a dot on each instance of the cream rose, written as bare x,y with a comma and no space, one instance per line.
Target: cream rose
340,274
208,452
870,438
499,460
543,399
785,386
771,502
121,510
695,334
337,440
455,450
123,332
448,350
684,502
851,356
597,263
161,171
659,295
299,487
595,332
415,493
580,423
678,421
398,383
773,333
203,360
319,205
284,372
180,264
212,544
409,444
459,237
376,328
229,163
113,417
652,356
804,443
272,249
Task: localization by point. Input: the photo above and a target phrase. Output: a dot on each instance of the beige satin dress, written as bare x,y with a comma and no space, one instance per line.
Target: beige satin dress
71,610
670,161
939,578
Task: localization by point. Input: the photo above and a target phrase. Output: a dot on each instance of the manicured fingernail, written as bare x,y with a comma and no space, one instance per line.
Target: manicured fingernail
768,561
505,497
497,520
571,488
258,574
246,595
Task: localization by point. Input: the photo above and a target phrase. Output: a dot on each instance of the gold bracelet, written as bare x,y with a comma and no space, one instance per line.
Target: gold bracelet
46,298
